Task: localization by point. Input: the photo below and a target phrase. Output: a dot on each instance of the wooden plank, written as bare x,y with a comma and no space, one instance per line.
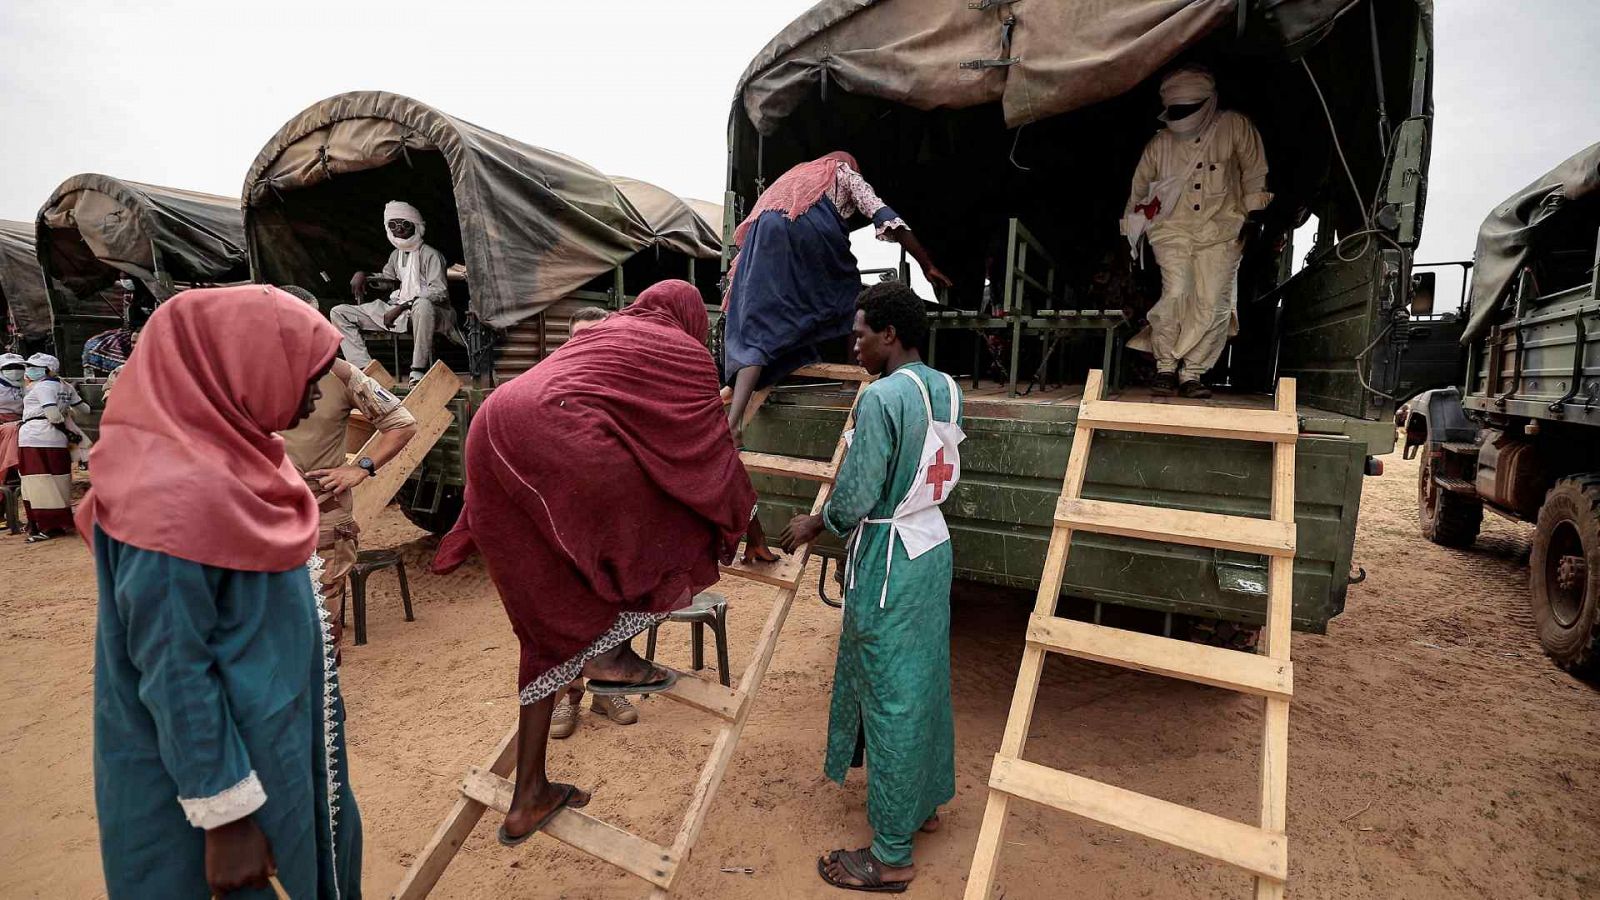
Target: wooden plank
991,834
378,373
1275,644
1262,853
833,372
578,829
428,404
1232,669
785,573
1179,526
706,696
771,464
1231,423
1274,784
453,831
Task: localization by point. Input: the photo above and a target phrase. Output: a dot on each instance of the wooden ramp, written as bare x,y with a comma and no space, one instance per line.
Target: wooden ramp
1260,850
429,404
489,786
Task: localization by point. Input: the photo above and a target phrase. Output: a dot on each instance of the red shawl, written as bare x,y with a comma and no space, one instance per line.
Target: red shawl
189,462
797,190
603,479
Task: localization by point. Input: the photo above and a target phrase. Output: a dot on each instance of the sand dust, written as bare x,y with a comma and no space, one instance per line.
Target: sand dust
1434,751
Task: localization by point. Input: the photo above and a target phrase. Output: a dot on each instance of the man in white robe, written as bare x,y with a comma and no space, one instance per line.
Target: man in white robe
421,305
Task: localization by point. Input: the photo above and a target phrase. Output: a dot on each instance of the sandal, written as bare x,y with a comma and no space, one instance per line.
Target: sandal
656,680
39,538
567,791
863,867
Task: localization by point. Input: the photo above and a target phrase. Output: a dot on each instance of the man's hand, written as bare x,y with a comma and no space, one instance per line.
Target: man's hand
802,530
238,857
358,286
337,481
394,313
936,277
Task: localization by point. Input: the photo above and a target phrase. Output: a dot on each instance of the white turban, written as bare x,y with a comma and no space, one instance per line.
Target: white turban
45,361
398,209
1184,87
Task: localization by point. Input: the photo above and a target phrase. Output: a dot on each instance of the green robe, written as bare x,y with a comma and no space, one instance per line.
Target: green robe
891,681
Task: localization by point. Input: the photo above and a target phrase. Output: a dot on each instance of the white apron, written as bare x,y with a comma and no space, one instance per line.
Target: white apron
917,520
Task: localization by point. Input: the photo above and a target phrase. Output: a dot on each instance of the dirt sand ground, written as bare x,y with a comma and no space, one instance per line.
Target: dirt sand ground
1434,752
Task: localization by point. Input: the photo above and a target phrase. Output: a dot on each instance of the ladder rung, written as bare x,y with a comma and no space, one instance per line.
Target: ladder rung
706,696
1229,422
771,464
1232,669
633,854
784,573
1180,526
833,372
1259,852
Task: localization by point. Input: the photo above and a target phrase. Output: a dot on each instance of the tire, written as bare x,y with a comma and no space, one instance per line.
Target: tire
1219,633
1446,518
1564,574
440,520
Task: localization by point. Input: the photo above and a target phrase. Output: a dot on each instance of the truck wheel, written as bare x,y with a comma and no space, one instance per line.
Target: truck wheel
1218,633
440,520
1447,518
1564,574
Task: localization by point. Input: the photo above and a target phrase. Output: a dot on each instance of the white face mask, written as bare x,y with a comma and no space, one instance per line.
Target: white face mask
13,374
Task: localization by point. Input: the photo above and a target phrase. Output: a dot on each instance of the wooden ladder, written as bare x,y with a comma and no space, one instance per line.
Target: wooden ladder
1261,851
489,787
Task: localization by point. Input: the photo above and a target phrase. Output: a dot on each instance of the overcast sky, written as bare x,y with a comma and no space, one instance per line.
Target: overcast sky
185,93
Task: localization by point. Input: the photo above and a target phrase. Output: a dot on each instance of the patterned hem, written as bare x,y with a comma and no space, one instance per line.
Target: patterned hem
883,230
330,714
226,806
627,625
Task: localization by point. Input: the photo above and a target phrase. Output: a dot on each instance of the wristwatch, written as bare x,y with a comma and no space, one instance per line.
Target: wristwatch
366,464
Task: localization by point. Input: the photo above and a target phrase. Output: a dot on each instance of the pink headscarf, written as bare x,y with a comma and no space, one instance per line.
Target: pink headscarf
189,462
797,190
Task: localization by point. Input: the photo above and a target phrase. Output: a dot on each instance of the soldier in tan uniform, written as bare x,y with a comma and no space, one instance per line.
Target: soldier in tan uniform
317,448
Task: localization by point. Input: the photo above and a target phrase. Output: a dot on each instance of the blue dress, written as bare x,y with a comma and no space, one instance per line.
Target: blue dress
211,687
794,287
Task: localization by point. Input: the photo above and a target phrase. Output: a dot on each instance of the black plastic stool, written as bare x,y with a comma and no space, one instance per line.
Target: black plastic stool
11,502
706,609
367,562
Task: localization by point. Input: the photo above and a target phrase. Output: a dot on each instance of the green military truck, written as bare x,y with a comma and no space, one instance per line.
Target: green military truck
983,133
1521,436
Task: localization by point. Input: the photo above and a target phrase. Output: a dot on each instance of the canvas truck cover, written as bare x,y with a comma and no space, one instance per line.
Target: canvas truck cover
1054,57
1512,234
95,229
534,224
675,222
27,307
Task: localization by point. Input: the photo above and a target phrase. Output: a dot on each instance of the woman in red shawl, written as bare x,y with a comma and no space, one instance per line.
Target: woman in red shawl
794,283
602,489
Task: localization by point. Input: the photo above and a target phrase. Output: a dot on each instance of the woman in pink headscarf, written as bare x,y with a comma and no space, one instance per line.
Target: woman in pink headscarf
794,282
219,754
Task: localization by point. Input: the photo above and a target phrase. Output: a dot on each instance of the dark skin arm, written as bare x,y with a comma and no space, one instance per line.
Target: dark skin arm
238,857
906,238
343,478
802,530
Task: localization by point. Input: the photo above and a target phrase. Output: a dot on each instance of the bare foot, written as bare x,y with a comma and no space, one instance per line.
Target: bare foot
523,816
619,664
759,553
932,825
834,866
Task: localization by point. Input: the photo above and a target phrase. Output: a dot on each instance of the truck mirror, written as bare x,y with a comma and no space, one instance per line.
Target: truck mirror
1422,293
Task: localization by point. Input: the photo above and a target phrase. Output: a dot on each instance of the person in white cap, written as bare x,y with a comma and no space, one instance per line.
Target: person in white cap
420,305
1198,181
45,443
11,390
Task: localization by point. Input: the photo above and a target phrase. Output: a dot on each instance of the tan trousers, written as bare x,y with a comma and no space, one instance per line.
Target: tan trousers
1191,323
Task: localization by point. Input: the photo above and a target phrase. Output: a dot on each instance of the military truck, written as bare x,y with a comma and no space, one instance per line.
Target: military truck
1011,131
1521,435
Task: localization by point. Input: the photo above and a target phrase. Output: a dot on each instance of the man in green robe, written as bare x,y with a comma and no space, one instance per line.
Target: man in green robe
891,689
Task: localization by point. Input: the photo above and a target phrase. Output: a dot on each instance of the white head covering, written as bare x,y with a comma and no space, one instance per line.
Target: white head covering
45,361
1186,86
398,209
11,360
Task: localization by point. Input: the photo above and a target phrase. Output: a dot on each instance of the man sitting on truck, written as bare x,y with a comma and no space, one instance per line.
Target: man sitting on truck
421,304
1200,177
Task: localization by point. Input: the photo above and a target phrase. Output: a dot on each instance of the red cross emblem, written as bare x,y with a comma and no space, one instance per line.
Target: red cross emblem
939,473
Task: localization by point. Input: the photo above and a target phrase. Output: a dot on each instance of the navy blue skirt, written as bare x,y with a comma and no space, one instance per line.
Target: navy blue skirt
795,287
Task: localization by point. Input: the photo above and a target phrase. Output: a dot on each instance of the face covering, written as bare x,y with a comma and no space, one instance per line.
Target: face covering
1190,98
13,374
398,210
34,373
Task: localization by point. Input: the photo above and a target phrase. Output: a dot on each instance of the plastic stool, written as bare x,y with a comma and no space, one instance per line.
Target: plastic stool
706,609
367,562
11,502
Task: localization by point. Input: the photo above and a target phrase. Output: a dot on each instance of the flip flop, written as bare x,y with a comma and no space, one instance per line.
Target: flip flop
862,866
567,791
664,680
